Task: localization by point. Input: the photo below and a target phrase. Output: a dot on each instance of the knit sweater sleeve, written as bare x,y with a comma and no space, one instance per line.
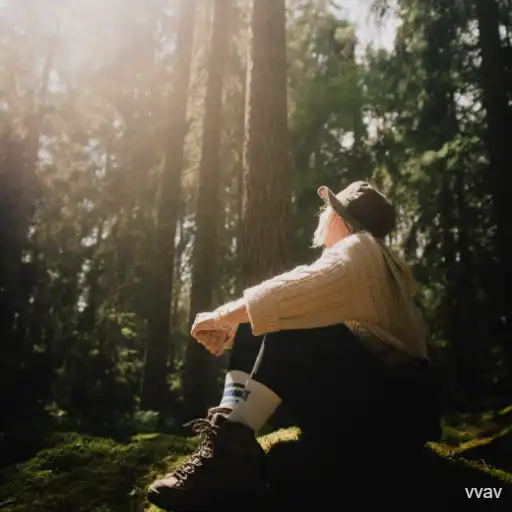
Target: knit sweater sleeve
302,291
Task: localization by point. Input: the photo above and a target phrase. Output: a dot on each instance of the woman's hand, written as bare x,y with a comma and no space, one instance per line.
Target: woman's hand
213,321
213,332
216,330
213,341
216,342
222,319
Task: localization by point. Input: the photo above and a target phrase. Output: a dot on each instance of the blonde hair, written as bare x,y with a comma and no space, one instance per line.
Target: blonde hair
325,216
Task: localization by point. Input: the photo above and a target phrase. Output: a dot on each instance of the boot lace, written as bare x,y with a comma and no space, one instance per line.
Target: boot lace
207,430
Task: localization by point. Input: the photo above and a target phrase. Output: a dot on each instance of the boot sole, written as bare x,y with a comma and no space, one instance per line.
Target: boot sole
214,501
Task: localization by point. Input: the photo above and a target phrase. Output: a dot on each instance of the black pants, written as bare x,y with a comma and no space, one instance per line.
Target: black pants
363,424
325,377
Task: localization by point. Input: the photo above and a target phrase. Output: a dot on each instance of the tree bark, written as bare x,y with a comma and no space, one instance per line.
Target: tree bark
240,189
154,390
267,208
440,126
495,100
199,393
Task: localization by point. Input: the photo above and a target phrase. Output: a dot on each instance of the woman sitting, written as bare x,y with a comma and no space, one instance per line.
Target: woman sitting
339,342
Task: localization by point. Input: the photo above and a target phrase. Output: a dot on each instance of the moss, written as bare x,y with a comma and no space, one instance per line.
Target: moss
89,474
460,428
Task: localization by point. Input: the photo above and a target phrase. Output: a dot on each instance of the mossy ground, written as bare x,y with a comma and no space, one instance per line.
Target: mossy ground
86,474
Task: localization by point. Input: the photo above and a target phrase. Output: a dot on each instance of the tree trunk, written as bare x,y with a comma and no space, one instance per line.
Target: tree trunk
175,319
154,381
499,127
440,126
199,393
267,160
240,191
469,320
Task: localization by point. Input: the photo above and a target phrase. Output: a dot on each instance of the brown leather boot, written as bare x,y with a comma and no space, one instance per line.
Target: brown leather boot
229,462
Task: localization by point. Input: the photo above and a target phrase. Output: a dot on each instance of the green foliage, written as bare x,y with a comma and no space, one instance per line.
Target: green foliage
326,116
84,127
428,151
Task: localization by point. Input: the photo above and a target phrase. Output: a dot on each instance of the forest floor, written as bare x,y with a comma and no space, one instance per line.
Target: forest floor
87,474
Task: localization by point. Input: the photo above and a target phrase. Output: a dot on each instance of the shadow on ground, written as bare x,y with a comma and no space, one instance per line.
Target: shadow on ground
302,480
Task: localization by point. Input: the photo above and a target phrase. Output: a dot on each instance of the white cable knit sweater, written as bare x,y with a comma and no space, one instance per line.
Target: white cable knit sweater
358,281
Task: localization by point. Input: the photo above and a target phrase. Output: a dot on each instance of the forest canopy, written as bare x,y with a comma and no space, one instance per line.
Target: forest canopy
130,170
